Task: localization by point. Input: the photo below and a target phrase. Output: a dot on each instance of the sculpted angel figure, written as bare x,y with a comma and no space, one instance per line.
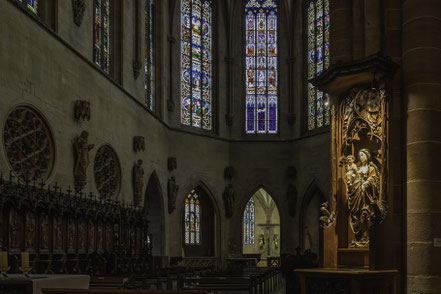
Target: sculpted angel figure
361,192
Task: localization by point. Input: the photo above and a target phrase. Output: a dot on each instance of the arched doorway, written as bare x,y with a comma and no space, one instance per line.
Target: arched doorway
154,207
199,224
261,228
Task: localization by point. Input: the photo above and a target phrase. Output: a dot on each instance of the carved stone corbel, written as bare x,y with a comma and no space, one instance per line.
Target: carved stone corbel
229,119
79,7
291,172
137,65
170,105
138,143
229,172
82,110
172,163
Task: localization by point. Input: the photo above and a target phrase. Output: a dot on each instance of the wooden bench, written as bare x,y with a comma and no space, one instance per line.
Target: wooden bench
118,291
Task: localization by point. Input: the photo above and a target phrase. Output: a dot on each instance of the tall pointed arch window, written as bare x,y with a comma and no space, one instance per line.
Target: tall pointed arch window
261,77
318,61
196,63
248,223
192,219
149,64
31,5
101,48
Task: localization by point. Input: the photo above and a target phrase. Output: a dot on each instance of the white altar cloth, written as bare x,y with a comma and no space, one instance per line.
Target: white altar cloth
53,281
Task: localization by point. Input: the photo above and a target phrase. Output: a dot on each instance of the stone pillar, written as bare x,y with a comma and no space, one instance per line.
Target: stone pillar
422,93
341,31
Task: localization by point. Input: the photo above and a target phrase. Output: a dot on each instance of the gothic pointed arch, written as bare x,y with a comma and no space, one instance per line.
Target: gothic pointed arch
200,225
261,226
309,223
154,207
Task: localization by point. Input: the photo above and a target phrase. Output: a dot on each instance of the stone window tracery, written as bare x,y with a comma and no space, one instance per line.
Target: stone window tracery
107,173
261,63
149,64
248,223
101,48
196,63
28,144
192,219
317,62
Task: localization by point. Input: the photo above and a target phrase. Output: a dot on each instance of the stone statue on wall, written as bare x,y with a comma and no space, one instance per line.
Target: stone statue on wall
228,196
82,110
78,7
82,148
138,183
362,189
291,195
173,189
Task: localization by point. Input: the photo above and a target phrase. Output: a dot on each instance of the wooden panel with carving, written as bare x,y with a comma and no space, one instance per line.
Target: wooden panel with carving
66,233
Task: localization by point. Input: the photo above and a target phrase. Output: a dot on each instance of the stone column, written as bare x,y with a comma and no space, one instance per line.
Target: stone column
422,93
341,31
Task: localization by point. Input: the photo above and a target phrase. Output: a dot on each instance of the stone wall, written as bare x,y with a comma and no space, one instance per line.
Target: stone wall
50,70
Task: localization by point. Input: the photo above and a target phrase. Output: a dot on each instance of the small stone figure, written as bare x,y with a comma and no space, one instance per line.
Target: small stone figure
172,163
327,218
228,196
82,148
291,195
79,6
138,183
173,189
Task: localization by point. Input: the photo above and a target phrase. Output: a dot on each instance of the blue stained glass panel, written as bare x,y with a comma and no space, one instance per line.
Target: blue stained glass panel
318,61
196,63
248,223
261,74
192,219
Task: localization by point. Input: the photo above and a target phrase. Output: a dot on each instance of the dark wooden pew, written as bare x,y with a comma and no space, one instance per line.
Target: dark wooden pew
117,291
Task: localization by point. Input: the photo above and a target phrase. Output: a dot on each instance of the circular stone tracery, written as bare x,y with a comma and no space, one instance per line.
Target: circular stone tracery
107,172
29,144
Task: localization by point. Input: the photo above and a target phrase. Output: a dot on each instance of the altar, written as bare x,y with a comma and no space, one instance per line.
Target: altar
35,283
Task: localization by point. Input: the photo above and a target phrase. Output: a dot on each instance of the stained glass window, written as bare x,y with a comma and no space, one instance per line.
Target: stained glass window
196,66
32,5
318,61
248,223
101,49
261,74
192,219
149,64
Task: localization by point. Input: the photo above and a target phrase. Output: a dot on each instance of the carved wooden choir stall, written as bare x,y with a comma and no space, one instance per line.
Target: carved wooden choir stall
71,233
350,246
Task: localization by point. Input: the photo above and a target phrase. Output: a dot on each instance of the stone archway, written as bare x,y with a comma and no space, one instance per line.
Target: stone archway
153,205
261,227
309,218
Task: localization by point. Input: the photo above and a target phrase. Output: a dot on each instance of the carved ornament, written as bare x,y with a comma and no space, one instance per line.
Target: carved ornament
229,172
28,144
137,65
107,173
82,110
78,6
172,163
138,143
